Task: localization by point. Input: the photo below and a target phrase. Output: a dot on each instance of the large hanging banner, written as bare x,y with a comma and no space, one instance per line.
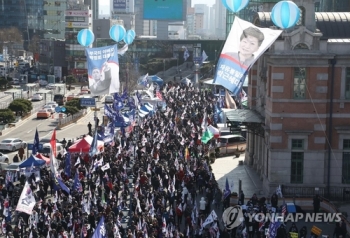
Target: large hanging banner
26,201
244,45
103,70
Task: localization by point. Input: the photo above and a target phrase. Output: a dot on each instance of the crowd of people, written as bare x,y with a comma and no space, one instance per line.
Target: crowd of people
158,182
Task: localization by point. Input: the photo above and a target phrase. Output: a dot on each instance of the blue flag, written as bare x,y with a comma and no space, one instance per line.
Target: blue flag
273,228
100,231
93,148
67,167
36,143
77,185
62,185
124,95
227,189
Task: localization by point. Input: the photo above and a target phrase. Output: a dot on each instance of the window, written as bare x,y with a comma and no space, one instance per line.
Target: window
297,161
299,83
346,162
297,144
347,83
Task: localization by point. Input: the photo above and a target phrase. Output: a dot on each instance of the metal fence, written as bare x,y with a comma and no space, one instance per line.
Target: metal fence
335,193
71,118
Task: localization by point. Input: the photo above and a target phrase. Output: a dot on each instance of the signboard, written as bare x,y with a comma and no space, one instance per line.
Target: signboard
77,13
30,146
77,24
317,231
87,102
57,71
119,5
51,78
172,10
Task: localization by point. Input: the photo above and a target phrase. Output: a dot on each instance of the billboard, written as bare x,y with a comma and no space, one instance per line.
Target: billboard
119,5
103,70
172,10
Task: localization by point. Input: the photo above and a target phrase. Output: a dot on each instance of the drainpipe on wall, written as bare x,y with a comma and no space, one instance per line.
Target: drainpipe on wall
330,126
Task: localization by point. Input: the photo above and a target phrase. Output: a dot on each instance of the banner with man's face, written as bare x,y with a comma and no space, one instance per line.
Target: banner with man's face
103,70
244,45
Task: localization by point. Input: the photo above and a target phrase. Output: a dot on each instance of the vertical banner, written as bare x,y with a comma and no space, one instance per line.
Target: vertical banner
244,45
103,70
26,201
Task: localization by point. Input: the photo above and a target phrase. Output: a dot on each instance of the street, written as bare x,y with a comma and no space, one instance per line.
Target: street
26,131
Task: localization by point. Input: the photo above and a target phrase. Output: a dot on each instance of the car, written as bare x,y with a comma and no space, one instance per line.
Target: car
12,144
37,97
49,108
14,81
231,140
50,86
43,113
52,103
43,83
84,90
109,99
4,158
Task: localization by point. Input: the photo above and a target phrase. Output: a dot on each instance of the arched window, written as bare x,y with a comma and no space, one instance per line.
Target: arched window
301,46
301,21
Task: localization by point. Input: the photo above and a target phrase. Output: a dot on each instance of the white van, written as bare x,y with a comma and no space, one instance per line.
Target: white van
46,149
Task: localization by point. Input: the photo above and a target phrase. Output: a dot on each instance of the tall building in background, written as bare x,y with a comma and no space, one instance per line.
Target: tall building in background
220,20
124,11
54,19
211,30
78,16
202,10
26,15
189,4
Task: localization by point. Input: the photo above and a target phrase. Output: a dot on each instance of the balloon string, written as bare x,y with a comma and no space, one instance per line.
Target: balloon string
314,106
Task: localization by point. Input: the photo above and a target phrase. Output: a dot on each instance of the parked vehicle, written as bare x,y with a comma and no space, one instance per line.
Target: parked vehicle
52,103
50,86
43,113
46,149
109,99
237,142
49,108
12,144
37,97
59,99
84,90
4,158
43,83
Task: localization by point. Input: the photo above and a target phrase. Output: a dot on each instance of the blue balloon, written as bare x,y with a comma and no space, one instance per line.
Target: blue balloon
285,14
128,39
63,109
117,32
235,5
85,37
132,32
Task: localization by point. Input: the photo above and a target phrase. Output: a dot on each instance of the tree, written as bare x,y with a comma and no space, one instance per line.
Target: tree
28,103
6,116
71,110
70,79
9,35
18,107
75,102
3,83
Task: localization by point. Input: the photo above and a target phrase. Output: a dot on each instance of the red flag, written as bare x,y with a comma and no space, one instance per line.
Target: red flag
53,143
159,95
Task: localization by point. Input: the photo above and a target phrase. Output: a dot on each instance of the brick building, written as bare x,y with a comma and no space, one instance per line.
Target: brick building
300,90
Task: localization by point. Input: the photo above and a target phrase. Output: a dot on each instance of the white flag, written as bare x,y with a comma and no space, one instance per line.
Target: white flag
77,162
26,201
209,220
279,191
105,167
